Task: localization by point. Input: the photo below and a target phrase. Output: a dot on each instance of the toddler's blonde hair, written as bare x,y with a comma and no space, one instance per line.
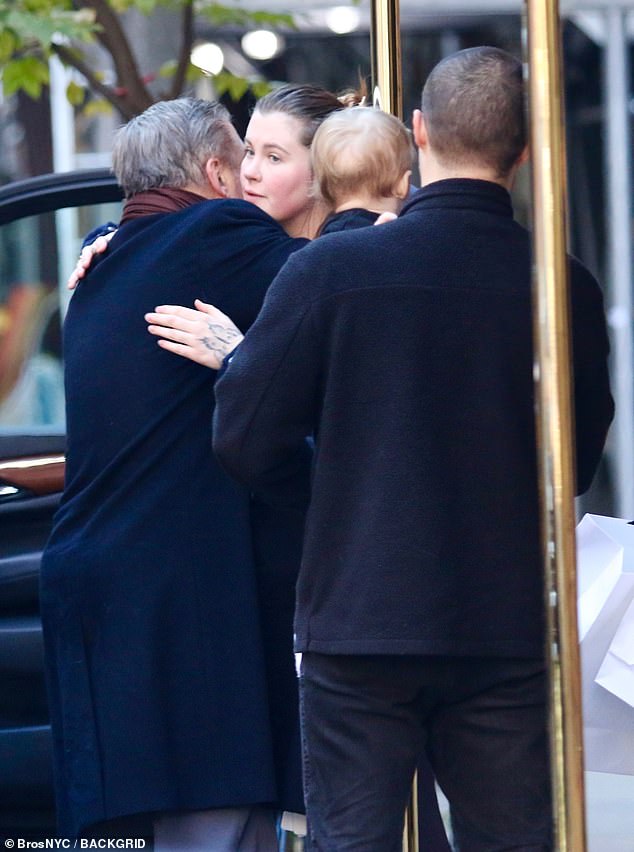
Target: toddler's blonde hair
360,149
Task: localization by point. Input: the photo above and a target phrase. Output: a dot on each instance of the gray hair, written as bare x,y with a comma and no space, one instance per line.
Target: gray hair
169,144
473,105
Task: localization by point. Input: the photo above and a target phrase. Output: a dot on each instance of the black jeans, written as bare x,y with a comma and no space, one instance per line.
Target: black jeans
482,723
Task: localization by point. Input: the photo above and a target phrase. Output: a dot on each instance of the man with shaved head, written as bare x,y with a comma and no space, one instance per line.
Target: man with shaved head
406,350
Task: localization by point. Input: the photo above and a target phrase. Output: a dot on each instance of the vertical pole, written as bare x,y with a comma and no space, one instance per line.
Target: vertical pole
619,209
411,839
385,48
387,94
64,160
554,419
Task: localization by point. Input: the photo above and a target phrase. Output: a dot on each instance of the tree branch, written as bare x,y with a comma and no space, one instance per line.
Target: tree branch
187,29
112,36
70,57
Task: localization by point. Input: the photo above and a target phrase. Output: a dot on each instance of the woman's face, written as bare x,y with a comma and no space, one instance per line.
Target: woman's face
276,175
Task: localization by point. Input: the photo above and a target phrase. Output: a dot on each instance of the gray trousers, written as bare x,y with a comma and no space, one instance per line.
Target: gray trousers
249,829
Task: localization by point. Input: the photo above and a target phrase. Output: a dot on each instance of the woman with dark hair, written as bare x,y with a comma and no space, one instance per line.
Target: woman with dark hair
276,173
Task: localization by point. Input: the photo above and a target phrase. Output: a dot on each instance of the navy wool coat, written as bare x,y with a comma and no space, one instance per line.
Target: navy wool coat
156,662
407,350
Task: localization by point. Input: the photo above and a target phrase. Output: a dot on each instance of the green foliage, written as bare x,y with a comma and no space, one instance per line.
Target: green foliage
221,15
39,21
28,29
28,73
75,94
237,87
32,30
97,106
8,43
168,69
144,6
260,88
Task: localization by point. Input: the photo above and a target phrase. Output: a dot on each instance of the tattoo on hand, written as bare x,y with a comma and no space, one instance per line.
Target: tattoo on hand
222,341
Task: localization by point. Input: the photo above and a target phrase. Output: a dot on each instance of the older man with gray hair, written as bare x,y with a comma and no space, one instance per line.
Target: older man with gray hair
154,651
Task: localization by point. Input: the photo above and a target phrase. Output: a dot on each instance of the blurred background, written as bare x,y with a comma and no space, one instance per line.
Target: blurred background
71,72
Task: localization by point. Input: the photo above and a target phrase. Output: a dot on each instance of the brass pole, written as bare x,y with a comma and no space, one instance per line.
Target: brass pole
411,839
555,418
385,49
387,94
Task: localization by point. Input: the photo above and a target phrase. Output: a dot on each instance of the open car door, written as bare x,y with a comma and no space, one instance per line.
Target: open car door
42,221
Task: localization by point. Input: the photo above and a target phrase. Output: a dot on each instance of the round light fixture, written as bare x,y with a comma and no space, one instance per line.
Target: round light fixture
208,57
343,19
261,44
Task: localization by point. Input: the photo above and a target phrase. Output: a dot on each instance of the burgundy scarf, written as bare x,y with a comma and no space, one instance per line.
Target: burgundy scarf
164,200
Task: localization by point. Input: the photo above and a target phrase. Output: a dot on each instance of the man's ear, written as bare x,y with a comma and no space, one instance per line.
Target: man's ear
419,129
215,171
523,158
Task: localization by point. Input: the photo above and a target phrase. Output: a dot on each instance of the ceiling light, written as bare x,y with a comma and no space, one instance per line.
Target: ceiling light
208,57
262,44
343,19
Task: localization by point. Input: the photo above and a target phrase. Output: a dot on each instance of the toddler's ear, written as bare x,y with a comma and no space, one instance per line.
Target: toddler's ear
401,190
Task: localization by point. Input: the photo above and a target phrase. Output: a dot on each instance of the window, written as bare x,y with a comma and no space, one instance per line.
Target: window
37,253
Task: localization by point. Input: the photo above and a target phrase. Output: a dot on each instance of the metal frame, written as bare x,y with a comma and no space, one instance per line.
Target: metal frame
553,390
555,441
56,191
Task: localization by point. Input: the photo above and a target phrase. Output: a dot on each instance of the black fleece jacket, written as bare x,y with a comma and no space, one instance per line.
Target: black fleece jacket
407,351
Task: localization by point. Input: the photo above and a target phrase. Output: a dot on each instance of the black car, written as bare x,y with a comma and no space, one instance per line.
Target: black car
42,221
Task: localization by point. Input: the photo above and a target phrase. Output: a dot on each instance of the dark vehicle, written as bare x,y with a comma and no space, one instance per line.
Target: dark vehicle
42,221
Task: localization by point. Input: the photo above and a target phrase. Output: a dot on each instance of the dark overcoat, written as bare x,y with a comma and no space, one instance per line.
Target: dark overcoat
155,655
407,350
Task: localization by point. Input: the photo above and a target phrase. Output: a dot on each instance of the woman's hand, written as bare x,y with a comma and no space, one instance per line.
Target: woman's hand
85,258
205,335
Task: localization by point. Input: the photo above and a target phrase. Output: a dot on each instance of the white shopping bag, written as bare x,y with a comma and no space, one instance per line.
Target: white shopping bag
605,572
617,669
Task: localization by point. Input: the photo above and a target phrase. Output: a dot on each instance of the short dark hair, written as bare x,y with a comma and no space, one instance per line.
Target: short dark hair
473,106
309,104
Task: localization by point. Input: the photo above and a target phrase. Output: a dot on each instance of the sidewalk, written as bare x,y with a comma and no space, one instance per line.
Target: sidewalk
610,812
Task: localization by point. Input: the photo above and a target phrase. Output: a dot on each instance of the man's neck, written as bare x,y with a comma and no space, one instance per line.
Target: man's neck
204,190
431,171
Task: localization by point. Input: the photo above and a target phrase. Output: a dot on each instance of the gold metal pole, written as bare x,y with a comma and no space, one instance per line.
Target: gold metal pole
555,418
411,839
387,94
410,828
385,49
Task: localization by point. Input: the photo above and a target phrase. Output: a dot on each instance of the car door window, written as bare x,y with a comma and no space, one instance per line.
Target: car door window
37,253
